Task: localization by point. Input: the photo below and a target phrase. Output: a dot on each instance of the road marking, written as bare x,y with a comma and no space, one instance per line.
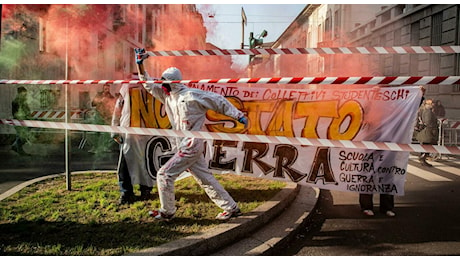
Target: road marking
429,176
447,168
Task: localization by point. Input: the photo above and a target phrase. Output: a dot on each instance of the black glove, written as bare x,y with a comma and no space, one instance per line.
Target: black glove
140,55
117,138
244,120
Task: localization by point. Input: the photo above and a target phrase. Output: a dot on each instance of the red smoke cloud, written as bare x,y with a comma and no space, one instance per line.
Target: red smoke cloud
76,27
187,32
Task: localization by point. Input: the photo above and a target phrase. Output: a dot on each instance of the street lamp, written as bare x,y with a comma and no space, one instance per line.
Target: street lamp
256,42
244,22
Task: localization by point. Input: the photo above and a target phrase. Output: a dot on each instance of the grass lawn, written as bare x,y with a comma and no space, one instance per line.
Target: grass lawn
47,219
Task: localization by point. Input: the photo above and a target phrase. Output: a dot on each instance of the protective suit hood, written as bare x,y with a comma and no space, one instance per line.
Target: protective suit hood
173,73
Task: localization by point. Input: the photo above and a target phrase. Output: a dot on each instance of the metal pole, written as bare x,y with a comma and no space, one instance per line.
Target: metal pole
242,34
67,114
1,14
244,21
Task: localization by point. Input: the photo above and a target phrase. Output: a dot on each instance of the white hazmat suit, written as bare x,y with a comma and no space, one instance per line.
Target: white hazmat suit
186,109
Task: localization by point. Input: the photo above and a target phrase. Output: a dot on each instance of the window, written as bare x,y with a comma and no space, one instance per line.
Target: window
140,17
386,16
320,33
336,24
436,29
396,57
48,99
327,29
41,35
399,9
118,17
436,40
414,40
382,58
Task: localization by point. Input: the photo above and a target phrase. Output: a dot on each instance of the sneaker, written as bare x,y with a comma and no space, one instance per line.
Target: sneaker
390,213
229,214
146,196
423,162
157,215
368,212
126,199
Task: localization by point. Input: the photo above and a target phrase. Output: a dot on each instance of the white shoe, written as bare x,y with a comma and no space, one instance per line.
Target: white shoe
229,214
368,212
390,213
160,216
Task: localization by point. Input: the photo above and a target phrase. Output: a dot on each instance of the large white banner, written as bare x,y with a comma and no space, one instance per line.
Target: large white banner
376,114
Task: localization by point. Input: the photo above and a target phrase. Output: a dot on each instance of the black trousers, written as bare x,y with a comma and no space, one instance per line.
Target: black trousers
124,179
386,202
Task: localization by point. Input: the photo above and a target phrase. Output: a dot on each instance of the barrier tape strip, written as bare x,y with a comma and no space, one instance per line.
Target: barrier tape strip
321,50
455,125
240,137
391,80
56,114
450,124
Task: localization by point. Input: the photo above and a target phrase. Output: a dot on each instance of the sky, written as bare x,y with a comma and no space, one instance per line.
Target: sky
223,22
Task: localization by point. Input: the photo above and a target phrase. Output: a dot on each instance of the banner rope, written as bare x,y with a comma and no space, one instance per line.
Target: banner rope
321,50
385,80
317,142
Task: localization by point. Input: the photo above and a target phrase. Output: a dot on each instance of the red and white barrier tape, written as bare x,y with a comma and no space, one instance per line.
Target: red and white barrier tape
449,123
455,125
400,80
323,50
240,137
56,114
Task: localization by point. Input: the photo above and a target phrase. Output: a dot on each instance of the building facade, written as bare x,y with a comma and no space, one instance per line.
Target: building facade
339,25
417,25
87,42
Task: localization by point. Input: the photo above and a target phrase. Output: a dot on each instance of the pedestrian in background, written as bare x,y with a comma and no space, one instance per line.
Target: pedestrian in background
427,128
131,168
386,204
21,111
438,109
104,103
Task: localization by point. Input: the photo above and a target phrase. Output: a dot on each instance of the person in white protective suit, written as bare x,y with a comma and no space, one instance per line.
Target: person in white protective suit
131,165
186,109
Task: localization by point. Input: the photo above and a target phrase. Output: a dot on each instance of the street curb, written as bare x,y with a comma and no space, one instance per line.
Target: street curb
274,236
304,207
22,185
225,234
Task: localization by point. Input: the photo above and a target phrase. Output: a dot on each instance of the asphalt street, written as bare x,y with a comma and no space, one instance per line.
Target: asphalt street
427,220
